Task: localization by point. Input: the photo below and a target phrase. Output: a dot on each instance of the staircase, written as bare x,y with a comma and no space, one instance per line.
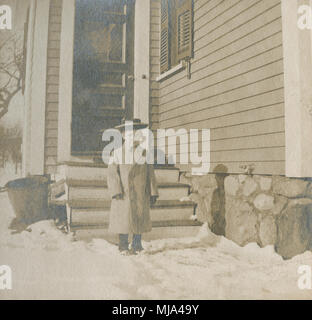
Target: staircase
82,188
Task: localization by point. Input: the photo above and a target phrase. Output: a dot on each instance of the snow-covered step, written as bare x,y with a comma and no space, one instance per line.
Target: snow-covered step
172,213
159,216
76,193
95,189
89,212
166,192
166,174
89,171
172,191
88,199
89,204
91,217
164,213
97,221
84,171
87,189
172,232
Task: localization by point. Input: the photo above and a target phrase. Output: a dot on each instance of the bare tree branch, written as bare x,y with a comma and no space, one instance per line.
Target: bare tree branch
11,52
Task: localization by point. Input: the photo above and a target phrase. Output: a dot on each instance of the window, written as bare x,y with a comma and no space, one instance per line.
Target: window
176,32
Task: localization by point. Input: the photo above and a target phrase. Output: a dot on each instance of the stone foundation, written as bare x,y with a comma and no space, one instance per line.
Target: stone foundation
268,210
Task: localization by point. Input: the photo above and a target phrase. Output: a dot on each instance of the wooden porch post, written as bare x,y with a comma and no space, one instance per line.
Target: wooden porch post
297,46
142,60
35,91
66,81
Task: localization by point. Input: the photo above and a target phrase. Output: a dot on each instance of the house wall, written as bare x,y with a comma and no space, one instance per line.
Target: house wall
236,85
154,63
52,97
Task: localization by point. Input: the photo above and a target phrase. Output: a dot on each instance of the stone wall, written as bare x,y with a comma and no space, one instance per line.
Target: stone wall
268,210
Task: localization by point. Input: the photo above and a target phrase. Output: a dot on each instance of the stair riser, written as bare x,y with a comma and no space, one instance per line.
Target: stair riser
84,173
94,217
165,214
76,193
167,176
173,193
89,217
171,232
100,174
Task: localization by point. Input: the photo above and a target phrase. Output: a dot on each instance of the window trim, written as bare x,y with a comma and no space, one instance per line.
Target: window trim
175,61
172,71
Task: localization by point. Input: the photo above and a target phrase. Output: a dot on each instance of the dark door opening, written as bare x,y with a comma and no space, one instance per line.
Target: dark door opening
103,71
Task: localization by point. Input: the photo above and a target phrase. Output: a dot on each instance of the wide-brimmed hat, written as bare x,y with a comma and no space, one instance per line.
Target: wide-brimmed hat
136,124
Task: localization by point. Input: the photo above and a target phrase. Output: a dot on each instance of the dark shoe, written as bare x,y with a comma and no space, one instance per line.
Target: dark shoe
19,226
137,243
132,252
123,242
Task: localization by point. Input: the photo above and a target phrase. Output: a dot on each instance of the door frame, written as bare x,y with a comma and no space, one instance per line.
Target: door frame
141,86
33,160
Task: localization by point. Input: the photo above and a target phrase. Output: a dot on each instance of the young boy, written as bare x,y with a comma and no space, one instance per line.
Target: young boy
133,189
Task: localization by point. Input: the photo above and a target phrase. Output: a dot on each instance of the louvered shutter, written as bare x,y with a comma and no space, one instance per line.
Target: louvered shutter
184,27
164,41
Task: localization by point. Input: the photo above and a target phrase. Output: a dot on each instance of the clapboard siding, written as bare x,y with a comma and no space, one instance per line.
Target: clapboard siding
236,87
154,63
51,133
269,140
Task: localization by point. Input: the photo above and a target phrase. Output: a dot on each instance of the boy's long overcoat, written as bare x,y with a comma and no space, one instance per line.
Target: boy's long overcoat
137,183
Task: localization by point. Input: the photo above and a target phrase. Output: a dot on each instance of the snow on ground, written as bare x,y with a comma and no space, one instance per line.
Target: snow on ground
47,264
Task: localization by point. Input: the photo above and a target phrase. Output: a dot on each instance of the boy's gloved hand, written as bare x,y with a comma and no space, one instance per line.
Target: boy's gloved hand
153,199
118,196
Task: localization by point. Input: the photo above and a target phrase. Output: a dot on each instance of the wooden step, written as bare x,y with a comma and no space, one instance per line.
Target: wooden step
76,193
90,217
171,232
173,191
167,174
91,189
80,171
89,198
171,213
104,204
90,204
90,193
176,223
162,216
155,224
172,203
83,171
87,183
